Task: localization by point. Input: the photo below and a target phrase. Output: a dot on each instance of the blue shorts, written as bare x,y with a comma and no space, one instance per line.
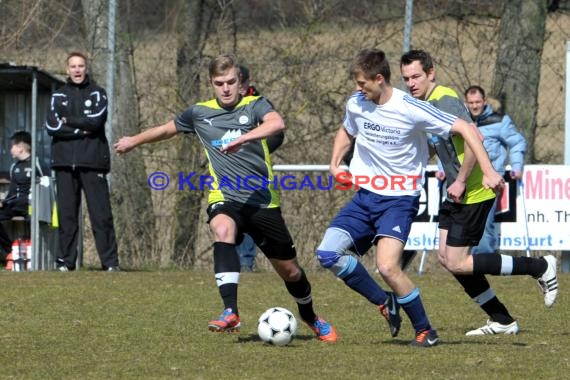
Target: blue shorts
369,216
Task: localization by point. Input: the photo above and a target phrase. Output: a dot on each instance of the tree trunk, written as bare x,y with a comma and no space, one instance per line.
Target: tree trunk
95,20
191,33
517,70
130,194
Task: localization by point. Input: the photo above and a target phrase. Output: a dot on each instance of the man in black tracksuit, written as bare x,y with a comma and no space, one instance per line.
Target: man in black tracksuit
81,160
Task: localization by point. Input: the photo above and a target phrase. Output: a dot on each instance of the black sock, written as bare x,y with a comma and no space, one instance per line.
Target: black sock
497,311
226,269
529,265
487,264
478,288
508,265
301,291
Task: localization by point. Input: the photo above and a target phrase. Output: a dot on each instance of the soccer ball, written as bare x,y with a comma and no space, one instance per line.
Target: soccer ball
277,326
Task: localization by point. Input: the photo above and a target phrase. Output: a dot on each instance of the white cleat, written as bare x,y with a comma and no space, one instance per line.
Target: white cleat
494,328
548,282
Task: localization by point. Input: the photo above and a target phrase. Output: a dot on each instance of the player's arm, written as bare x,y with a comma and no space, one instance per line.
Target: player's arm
456,190
491,179
272,123
159,133
341,146
511,137
95,121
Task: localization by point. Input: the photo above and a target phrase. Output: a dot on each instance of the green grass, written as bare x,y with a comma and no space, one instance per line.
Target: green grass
152,325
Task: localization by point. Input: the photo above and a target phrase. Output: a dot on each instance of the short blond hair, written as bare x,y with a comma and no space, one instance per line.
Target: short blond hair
223,63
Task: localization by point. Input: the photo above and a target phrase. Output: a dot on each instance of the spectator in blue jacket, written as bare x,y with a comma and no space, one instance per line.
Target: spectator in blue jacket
502,139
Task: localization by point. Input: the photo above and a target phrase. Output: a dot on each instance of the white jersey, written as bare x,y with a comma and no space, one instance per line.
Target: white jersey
391,149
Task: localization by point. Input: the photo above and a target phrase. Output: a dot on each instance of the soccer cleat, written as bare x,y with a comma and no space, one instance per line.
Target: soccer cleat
494,328
228,321
391,311
60,265
324,331
113,269
426,338
548,282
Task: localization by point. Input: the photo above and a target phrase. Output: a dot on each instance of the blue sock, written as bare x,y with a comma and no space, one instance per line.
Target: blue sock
361,282
414,308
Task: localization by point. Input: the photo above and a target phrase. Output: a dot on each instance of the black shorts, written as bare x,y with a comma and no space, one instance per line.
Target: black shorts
465,224
266,227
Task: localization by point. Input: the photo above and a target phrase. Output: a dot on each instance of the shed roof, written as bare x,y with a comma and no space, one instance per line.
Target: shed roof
19,78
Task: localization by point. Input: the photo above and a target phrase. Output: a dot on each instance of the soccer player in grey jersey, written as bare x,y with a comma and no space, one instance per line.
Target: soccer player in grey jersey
233,130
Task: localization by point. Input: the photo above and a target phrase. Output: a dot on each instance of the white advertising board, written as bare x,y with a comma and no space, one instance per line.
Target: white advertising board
546,208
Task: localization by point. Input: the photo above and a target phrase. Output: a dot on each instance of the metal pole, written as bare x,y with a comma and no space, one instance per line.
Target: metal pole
408,22
565,265
34,226
110,80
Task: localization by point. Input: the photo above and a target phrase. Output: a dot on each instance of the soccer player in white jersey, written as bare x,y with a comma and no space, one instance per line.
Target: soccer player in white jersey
233,130
390,158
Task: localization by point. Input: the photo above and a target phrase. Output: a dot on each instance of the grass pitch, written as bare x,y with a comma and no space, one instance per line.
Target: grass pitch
152,325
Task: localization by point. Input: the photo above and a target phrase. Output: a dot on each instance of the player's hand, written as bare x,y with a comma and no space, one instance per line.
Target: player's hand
233,146
455,191
516,174
440,175
494,181
336,170
124,145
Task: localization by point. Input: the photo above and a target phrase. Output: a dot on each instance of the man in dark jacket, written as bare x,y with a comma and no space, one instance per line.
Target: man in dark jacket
81,161
17,200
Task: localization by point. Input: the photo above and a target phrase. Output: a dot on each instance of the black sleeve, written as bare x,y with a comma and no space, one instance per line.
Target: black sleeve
275,141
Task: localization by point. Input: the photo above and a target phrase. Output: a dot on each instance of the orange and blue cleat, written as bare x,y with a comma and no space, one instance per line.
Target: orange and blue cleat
228,321
324,331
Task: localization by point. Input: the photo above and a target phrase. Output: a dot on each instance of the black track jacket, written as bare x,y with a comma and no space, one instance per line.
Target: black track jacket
80,142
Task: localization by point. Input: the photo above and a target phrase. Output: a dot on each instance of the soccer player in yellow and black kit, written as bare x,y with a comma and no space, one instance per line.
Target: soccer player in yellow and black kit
242,199
463,214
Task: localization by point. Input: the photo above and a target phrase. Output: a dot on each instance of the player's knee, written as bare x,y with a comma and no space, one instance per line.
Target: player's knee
327,258
453,266
288,270
223,232
388,269
340,265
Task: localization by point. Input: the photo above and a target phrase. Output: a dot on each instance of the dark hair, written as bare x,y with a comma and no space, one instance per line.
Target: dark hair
371,62
475,89
244,72
417,55
76,54
21,137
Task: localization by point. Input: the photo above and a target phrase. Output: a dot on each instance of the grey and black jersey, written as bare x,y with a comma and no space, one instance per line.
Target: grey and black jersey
246,176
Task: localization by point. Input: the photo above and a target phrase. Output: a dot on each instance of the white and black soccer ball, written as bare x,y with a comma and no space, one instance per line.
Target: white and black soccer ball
277,326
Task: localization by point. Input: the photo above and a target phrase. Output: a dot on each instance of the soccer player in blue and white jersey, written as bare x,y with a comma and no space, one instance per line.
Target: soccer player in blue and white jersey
391,151
233,130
